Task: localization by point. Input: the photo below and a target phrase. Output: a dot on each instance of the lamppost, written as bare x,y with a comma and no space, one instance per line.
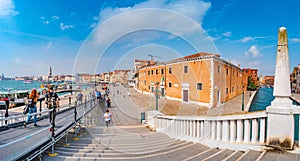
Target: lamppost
156,95
243,99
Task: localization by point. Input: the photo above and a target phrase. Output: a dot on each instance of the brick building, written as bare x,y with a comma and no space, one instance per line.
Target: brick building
201,78
253,74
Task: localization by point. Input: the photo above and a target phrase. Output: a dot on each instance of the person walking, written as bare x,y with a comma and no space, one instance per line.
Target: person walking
32,100
107,117
108,102
80,96
52,102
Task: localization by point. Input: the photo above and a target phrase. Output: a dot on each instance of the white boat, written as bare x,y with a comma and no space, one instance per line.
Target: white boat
27,81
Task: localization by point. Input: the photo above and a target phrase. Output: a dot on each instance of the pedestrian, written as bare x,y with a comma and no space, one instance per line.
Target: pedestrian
108,102
52,102
32,100
98,95
80,96
107,118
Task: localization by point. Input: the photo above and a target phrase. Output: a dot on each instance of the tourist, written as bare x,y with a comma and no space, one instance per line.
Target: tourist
32,107
79,98
107,118
98,95
52,102
108,102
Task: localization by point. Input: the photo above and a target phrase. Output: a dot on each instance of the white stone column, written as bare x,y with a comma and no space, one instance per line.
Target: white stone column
280,114
239,129
247,131
232,130
198,129
225,131
202,129
254,131
191,127
262,134
194,128
219,131
213,130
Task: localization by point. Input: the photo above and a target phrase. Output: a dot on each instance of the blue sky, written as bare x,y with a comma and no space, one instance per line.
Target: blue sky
100,36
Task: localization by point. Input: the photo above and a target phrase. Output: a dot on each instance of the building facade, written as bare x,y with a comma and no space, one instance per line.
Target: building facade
253,74
204,79
295,79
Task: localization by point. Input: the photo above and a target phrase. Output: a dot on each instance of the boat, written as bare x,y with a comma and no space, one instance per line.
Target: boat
16,98
27,81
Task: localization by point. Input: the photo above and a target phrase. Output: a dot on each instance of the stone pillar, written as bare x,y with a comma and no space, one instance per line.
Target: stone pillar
232,130
254,131
219,130
247,131
225,130
280,131
239,129
213,130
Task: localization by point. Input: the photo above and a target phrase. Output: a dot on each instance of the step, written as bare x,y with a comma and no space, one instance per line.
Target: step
249,155
203,155
234,156
220,155
279,155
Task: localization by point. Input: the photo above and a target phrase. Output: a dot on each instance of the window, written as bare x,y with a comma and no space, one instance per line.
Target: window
185,69
226,90
156,71
227,71
232,72
148,72
199,86
232,89
151,72
170,84
162,71
219,69
170,70
144,82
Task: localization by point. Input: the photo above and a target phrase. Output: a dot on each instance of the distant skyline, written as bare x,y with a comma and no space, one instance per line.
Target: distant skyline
100,36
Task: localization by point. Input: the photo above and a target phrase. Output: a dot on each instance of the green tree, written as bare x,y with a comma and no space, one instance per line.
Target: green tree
251,85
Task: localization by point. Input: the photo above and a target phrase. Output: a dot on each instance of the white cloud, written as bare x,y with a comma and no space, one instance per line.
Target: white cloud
253,52
148,19
295,40
246,39
46,22
227,34
55,17
63,26
7,8
49,45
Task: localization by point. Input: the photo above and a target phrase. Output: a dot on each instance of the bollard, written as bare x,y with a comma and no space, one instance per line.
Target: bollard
70,101
85,102
75,113
40,107
6,110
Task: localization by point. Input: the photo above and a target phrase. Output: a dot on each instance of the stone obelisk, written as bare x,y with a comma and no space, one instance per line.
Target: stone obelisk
280,116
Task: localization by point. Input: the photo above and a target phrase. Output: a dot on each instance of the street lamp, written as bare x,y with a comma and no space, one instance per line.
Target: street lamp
156,95
243,99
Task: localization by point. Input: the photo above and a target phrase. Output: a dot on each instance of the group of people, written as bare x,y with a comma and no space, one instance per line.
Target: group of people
51,100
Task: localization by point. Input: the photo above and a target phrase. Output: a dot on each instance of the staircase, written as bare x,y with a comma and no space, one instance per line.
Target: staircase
127,139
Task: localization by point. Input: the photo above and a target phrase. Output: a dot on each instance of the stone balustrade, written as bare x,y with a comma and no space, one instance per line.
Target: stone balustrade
220,131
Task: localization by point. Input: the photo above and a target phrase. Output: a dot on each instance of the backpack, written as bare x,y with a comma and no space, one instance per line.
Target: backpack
51,100
30,102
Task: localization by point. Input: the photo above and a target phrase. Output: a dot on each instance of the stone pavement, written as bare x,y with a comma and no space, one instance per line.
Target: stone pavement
127,139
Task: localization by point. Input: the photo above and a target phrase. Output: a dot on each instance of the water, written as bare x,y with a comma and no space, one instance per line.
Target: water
263,99
13,85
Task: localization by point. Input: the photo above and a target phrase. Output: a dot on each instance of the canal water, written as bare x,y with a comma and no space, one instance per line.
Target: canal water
263,98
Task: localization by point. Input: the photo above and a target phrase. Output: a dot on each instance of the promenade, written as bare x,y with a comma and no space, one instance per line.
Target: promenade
127,139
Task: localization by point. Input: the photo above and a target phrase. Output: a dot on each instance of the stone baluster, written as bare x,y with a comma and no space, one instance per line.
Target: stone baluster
191,127
262,134
213,130
202,129
225,130
239,131
198,129
232,130
194,128
219,132
254,131
247,131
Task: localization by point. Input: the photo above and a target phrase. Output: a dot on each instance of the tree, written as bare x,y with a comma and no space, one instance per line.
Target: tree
251,85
